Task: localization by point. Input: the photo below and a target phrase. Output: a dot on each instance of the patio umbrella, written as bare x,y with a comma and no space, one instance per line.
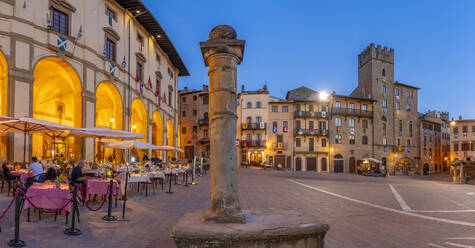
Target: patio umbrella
130,144
170,149
105,132
5,118
27,125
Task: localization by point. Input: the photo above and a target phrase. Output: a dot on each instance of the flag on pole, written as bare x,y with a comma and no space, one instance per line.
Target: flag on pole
79,33
164,98
157,92
159,100
137,77
112,69
48,21
124,64
141,88
62,43
150,83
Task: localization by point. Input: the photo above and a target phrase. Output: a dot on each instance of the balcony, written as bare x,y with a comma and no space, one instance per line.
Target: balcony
310,114
311,132
349,111
253,126
204,121
280,146
253,143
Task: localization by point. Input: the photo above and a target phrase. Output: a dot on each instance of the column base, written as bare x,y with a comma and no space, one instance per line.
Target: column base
263,228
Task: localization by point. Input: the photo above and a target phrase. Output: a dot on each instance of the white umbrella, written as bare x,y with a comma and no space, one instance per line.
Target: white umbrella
27,125
105,132
5,118
129,144
170,148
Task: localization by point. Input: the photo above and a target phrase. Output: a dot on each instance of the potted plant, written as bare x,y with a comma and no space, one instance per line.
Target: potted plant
59,180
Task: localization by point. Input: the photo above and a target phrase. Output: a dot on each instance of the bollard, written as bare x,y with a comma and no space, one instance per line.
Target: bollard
125,194
73,231
17,242
109,216
170,183
186,178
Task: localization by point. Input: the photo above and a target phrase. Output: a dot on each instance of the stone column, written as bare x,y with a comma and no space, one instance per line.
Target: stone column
222,53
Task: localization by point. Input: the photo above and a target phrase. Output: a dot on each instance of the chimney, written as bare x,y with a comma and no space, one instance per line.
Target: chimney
186,88
265,87
242,88
460,117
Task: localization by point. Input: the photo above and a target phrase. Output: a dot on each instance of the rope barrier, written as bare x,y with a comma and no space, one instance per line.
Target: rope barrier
102,204
46,211
9,205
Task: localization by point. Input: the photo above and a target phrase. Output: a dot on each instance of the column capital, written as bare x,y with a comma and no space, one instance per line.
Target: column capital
222,40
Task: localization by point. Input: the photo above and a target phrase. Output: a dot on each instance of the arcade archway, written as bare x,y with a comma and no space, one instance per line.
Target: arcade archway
109,113
170,137
3,100
138,122
157,131
56,98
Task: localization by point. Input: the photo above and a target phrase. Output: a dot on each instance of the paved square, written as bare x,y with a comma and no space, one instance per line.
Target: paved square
361,211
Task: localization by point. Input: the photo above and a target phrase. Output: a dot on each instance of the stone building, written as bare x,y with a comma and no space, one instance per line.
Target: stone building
350,132
194,121
85,64
252,123
310,120
434,141
462,139
280,147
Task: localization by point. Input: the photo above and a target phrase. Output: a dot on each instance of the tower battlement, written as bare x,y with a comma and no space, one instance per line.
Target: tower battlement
376,52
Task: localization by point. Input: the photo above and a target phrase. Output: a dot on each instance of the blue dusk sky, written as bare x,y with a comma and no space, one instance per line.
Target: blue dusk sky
316,44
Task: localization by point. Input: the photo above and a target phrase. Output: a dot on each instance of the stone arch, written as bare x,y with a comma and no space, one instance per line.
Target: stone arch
170,134
57,97
109,106
138,118
109,113
3,100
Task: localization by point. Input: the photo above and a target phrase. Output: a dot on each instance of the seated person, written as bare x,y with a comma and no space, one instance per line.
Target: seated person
37,170
76,174
6,171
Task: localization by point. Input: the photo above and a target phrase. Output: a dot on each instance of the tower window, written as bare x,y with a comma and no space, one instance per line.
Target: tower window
383,72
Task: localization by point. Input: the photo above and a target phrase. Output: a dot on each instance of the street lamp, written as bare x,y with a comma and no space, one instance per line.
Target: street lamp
452,123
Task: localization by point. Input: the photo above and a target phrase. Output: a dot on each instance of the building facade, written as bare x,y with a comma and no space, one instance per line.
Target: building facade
86,64
252,123
434,141
335,133
462,139
194,121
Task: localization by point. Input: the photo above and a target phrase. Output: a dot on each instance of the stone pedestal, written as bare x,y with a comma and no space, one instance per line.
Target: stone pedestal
225,224
274,228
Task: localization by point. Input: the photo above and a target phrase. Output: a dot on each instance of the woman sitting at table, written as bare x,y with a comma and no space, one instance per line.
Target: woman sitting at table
38,174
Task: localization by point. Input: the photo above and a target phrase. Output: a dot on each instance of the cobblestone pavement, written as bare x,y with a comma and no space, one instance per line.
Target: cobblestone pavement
361,211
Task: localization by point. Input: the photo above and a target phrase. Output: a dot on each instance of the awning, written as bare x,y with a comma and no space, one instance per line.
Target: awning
372,160
27,125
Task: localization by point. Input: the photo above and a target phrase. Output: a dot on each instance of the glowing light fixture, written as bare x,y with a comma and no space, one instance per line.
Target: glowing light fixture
134,127
323,95
112,119
452,123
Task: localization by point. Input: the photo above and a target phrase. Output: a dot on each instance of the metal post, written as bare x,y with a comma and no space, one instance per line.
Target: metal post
73,231
194,171
109,216
125,193
170,183
17,242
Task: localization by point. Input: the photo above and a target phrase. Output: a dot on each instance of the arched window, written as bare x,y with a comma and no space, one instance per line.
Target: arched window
249,105
258,105
338,156
384,129
383,72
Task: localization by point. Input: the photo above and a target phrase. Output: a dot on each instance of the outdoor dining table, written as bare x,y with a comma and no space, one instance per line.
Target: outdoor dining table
22,174
96,186
47,196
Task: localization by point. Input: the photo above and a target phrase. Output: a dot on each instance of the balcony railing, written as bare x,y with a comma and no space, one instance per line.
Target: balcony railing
253,143
349,111
280,146
311,132
253,126
310,114
307,149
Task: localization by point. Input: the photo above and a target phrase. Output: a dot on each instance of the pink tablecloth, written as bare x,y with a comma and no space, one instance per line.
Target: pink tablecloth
99,187
22,174
46,195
